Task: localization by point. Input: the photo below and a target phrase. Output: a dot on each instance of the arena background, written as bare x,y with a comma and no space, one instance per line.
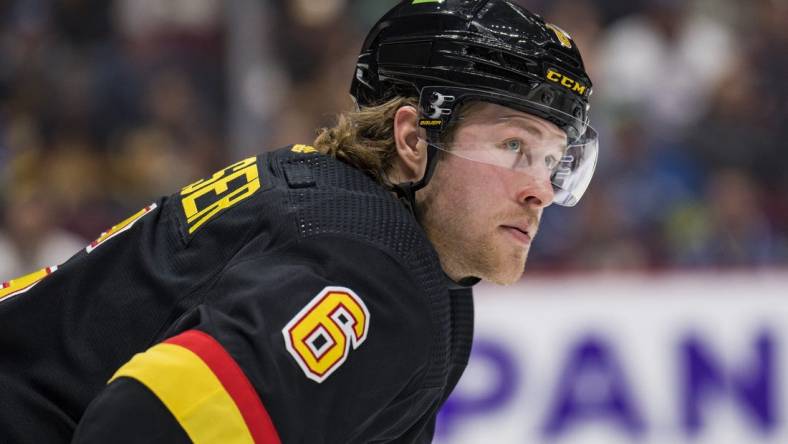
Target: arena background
655,311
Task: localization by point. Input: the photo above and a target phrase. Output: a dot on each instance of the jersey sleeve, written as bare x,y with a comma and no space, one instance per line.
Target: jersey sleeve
327,341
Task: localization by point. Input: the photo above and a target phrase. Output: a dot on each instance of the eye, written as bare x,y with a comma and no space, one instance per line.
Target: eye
513,145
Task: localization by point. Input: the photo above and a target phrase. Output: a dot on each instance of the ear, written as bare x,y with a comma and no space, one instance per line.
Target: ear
411,161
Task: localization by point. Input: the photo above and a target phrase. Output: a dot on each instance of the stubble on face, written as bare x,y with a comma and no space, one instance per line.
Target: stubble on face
464,225
475,211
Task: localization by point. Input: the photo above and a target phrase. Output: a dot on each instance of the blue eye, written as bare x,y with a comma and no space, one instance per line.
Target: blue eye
513,145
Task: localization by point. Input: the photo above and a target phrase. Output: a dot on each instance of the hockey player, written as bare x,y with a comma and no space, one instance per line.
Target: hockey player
317,293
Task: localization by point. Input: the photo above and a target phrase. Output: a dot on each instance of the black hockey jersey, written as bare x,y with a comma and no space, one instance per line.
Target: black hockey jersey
287,298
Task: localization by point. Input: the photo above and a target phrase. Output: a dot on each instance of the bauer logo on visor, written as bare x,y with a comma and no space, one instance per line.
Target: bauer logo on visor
430,123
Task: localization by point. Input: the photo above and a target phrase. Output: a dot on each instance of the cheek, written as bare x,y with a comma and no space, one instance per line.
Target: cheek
468,193
477,191
487,183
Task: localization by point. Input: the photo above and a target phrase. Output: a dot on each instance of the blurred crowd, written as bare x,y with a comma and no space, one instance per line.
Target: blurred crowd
105,105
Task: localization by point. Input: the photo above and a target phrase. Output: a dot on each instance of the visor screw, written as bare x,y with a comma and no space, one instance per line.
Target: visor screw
578,112
548,97
435,97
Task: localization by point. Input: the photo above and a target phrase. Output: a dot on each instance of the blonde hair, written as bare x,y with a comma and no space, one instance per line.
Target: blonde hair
364,138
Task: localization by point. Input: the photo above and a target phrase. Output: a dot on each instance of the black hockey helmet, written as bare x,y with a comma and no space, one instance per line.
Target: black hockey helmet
447,52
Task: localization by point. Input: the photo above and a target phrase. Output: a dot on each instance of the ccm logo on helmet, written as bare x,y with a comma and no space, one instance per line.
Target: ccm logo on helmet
566,82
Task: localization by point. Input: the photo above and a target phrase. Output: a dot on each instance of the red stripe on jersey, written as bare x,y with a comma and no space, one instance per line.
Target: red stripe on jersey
234,381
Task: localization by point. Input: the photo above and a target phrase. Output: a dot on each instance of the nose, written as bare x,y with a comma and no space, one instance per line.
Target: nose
535,190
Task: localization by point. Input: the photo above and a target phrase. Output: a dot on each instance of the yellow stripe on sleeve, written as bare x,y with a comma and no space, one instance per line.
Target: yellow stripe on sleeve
191,391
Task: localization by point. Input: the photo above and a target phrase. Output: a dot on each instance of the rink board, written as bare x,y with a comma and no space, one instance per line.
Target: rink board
653,359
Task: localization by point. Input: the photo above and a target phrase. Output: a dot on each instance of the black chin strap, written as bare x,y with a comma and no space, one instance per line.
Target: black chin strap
406,191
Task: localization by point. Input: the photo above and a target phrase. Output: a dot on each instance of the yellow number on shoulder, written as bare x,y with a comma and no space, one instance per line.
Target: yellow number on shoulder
222,190
321,335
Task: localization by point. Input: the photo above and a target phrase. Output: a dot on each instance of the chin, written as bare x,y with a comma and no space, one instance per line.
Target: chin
507,279
506,264
504,275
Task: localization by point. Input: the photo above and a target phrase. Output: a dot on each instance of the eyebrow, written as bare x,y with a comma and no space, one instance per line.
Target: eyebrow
528,125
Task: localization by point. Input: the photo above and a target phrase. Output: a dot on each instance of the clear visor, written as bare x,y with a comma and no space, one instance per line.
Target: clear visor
528,144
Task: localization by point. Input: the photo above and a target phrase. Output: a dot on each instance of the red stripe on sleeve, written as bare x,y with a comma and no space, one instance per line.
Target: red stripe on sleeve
234,381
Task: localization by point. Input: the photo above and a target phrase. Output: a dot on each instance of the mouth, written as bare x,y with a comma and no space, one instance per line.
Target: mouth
521,235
